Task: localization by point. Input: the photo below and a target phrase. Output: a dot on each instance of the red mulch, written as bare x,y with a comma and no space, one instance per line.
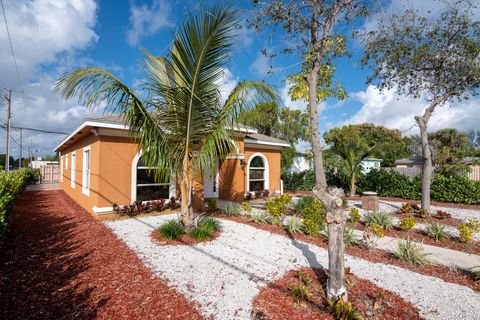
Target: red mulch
459,277
184,240
274,302
450,242
61,263
434,203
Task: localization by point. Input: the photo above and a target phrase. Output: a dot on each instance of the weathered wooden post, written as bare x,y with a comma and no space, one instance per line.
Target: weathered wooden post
332,200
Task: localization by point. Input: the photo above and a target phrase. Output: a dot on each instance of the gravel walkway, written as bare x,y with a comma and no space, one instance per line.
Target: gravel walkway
224,275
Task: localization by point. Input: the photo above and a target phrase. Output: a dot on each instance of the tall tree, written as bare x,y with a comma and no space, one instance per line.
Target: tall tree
284,123
309,28
435,59
182,125
348,144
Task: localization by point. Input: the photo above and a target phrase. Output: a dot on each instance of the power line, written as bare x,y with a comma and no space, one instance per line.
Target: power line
34,129
14,58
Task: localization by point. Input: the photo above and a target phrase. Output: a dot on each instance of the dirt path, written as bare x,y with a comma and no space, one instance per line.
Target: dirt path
60,263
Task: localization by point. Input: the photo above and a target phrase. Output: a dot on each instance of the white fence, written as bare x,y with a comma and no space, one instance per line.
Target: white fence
473,174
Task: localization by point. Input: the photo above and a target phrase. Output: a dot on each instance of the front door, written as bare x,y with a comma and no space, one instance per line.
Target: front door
210,184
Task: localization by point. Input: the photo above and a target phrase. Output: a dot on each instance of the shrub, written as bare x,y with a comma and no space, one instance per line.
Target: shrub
299,180
440,215
376,229
232,210
302,203
407,223
405,208
342,309
467,230
276,206
381,218
12,184
411,253
247,207
435,231
171,230
300,291
354,215
424,213
294,225
258,217
211,203
390,184
349,239
314,219
205,229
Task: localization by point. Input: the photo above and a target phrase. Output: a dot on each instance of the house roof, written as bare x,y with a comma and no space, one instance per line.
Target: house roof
115,121
413,160
373,159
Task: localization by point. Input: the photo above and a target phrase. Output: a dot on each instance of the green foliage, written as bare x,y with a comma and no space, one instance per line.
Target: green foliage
354,215
476,274
302,203
304,180
276,206
410,252
171,230
453,188
247,207
380,218
232,210
205,229
211,203
258,217
342,309
294,225
468,230
406,208
376,229
436,231
300,290
12,184
407,223
314,218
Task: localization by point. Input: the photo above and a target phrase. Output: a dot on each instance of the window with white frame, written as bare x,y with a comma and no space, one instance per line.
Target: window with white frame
86,171
72,171
147,187
256,174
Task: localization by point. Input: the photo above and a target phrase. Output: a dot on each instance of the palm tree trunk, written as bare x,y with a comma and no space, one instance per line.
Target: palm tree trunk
186,183
353,188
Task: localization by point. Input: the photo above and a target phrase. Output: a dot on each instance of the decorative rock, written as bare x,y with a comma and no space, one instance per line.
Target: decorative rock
370,201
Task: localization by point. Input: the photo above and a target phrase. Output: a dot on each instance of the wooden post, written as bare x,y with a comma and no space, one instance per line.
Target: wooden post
332,200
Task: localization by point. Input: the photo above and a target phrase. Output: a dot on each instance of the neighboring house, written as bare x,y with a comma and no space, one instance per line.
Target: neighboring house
369,164
36,164
301,162
101,165
414,162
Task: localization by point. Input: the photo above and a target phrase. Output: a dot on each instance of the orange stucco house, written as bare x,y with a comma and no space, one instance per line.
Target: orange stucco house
101,165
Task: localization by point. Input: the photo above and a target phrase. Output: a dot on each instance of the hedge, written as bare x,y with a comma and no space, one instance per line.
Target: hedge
453,188
12,184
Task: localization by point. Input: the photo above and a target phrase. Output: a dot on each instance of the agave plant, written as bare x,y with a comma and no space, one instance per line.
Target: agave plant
182,123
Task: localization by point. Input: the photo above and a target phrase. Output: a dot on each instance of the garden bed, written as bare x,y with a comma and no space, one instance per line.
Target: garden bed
275,301
460,277
184,240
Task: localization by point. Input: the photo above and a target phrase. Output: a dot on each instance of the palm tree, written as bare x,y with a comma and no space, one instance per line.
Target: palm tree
182,122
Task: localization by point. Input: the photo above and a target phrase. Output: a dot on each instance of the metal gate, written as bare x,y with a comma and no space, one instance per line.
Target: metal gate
50,173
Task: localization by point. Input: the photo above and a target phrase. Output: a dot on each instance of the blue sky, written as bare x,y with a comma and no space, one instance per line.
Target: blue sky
50,37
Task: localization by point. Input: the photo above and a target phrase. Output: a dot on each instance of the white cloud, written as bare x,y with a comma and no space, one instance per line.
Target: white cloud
145,20
262,65
398,112
227,84
47,36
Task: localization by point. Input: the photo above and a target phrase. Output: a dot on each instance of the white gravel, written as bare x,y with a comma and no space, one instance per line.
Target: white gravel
224,275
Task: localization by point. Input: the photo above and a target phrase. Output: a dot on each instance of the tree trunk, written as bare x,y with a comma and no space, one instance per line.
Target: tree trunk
353,187
336,220
186,183
427,162
320,180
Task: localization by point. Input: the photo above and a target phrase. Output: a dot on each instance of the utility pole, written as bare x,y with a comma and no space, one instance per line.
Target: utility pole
8,97
21,144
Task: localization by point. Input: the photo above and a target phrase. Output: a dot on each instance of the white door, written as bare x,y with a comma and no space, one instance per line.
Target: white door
210,184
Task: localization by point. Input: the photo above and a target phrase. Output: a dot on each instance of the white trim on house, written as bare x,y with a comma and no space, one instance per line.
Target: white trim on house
266,172
267,143
235,156
92,123
102,210
72,170
66,161
61,168
86,175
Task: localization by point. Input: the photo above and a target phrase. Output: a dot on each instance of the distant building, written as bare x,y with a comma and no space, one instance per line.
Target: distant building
369,164
36,164
414,162
301,162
